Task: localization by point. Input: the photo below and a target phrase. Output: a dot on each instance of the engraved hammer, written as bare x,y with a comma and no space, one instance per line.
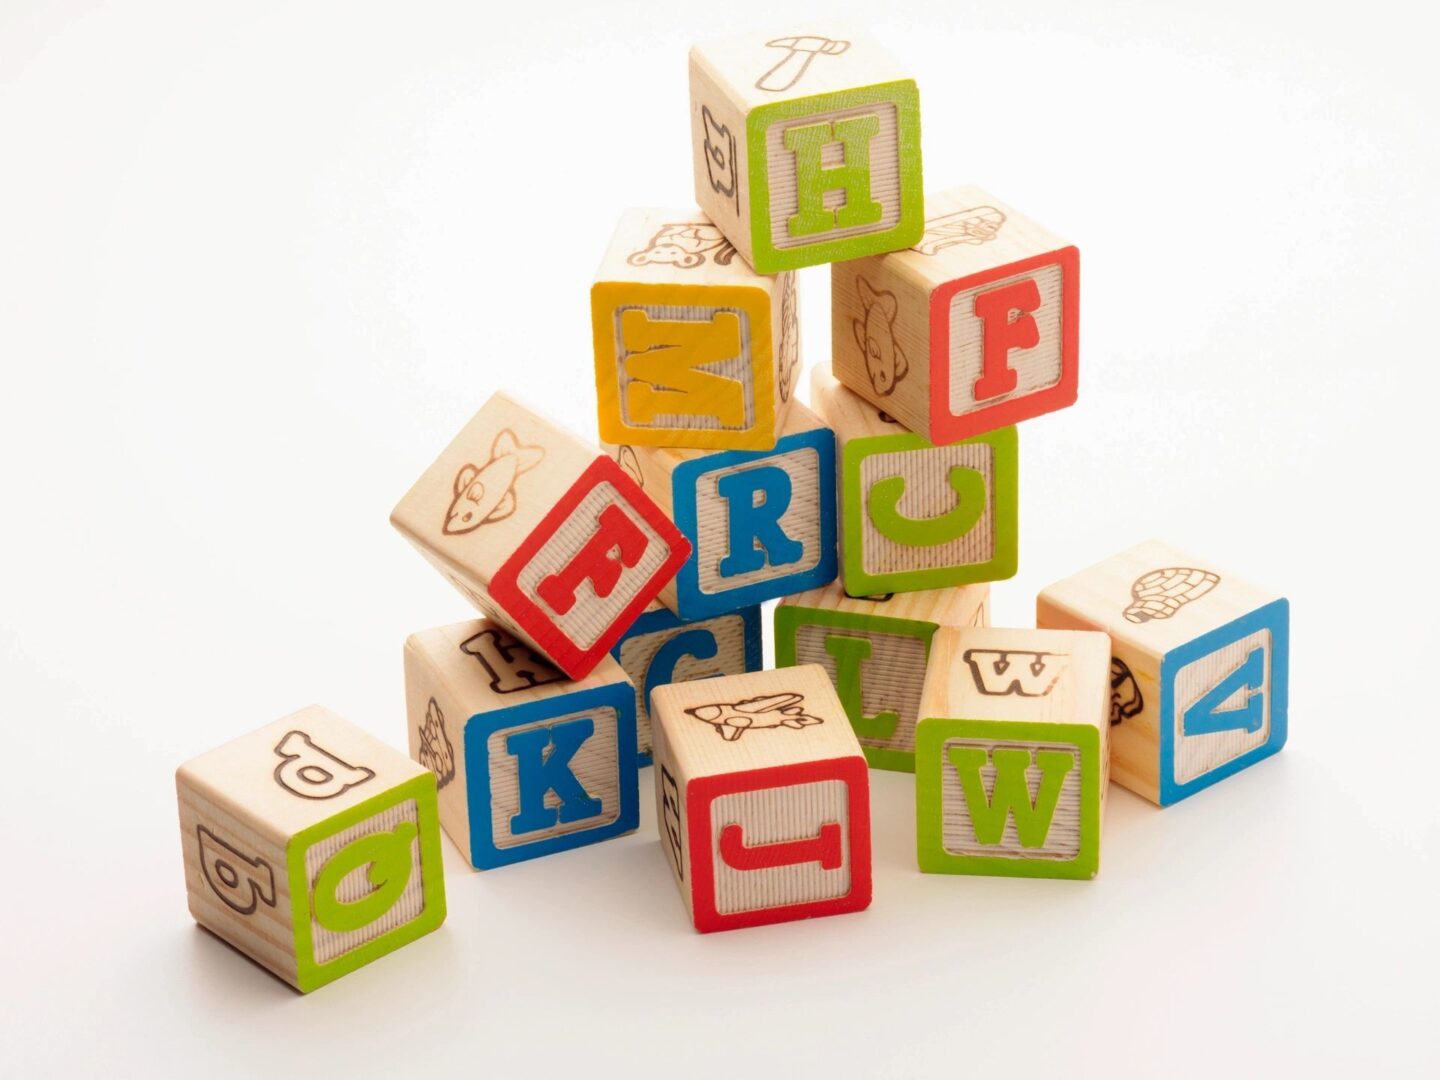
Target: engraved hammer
792,66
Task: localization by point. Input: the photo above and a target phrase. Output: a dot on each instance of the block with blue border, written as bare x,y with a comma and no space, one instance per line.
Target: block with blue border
527,762
1200,662
762,523
661,648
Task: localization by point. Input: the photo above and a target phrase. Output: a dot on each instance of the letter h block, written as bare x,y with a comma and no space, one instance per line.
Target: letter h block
527,762
975,328
915,515
692,347
542,533
1200,666
661,648
806,147
760,523
762,798
1011,753
311,847
876,651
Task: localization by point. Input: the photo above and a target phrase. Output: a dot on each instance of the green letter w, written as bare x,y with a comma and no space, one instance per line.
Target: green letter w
1012,793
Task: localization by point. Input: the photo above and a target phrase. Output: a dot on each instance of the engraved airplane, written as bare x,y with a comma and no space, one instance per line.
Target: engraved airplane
733,719
486,493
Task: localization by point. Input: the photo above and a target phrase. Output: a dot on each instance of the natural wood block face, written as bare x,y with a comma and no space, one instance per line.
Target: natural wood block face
807,147
914,515
661,648
1200,666
692,347
542,533
760,523
528,762
311,847
762,798
974,328
1011,753
876,651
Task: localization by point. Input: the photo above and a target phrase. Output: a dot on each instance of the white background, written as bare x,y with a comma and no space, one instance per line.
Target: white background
259,261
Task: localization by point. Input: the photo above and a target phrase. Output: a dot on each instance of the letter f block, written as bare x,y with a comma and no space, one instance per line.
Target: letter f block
915,515
1011,753
806,147
762,798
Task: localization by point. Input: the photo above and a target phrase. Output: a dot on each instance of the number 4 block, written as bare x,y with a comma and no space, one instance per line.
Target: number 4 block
762,798
1011,753
1200,668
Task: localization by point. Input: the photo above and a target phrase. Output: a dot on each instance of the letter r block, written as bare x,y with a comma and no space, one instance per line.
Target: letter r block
974,328
760,523
915,515
311,847
528,762
762,798
542,533
692,347
1199,669
1011,753
806,147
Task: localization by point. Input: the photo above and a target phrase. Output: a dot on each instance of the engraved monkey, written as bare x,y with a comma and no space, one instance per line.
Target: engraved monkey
685,244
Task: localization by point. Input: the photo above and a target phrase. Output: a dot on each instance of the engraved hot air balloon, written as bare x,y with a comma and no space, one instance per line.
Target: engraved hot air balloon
1161,593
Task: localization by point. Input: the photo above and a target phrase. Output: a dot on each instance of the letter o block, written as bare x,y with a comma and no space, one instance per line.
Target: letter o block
760,523
311,847
692,347
762,798
915,515
876,651
528,762
1011,753
807,147
661,648
1200,668
542,533
975,328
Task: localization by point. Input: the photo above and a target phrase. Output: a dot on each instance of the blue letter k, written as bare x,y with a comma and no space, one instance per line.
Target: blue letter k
541,773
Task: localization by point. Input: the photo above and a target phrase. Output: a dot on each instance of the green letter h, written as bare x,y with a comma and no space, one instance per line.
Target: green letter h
813,179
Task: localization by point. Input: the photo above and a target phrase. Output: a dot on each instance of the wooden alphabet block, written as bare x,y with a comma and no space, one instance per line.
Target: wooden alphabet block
311,847
661,648
807,147
692,347
762,798
975,328
1200,669
876,651
1010,753
542,533
760,523
914,515
528,762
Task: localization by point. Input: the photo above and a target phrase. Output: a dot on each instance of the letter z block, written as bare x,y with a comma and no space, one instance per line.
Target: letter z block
975,328
661,648
692,347
1200,668
876,651
1011,753
311,847
762,798
528,762
915,515
760,523
807,147
542,533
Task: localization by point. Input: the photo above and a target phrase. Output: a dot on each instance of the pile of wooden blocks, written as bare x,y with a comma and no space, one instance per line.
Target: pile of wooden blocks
620,584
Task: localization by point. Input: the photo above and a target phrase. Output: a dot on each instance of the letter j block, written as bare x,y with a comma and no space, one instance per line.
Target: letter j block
806,147
527,762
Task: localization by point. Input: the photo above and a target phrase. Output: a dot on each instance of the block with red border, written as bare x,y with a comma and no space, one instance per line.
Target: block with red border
974,328
541,532
762,798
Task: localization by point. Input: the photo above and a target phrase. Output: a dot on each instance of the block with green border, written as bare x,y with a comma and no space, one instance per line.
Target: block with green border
806,147
876,651
311,847
914,515
1012,753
